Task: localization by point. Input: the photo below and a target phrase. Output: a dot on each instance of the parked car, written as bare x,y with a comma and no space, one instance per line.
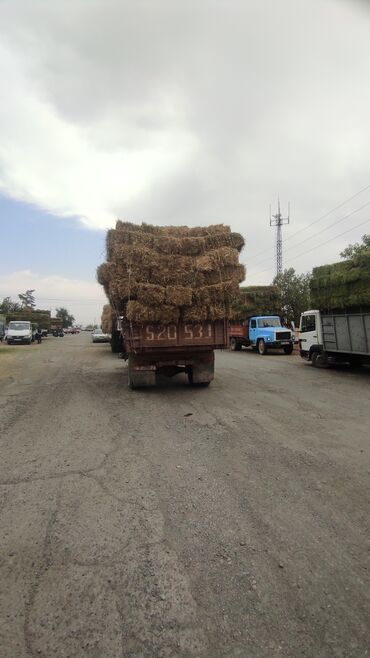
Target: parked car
19,332
98,336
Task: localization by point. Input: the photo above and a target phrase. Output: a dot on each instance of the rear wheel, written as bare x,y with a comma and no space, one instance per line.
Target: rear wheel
235,346
319,360
261,347
288,349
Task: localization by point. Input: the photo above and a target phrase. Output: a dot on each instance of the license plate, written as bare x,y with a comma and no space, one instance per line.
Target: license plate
285,342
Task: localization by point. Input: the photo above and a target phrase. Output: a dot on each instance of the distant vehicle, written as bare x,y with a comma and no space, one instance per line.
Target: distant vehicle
261,332
98,336
19,332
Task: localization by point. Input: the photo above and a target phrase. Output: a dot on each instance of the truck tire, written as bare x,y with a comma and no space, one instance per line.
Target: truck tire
116,342
319,360
235,346
261,347
288,349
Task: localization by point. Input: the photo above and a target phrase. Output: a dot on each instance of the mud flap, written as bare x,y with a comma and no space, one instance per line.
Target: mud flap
140,375
204,370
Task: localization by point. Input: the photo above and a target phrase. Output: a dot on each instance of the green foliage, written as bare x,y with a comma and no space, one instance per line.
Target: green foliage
27,299
357,249
66,317
294,292
8,306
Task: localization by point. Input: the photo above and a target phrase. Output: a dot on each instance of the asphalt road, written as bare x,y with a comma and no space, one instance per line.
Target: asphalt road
221,522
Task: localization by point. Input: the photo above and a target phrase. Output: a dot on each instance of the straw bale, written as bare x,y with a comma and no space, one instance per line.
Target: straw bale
217,293
255,300
141,313
342,285
217,311
103,273
217,258
150,294
179,295
194,313
107,319
172,240
154,272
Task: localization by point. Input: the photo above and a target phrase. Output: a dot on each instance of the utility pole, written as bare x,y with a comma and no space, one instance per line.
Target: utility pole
278,221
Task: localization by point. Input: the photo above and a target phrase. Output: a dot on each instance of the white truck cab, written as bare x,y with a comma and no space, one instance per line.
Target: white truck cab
310,333
19,331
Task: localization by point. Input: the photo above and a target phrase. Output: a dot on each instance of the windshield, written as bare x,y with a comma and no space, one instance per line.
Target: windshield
19,326
269,322
98,331
308,323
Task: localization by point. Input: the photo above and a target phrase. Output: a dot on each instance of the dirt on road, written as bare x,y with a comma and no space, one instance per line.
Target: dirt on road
222,522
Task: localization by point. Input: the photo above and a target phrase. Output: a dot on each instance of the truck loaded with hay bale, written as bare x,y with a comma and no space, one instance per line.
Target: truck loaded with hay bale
171,290
337,330
256,321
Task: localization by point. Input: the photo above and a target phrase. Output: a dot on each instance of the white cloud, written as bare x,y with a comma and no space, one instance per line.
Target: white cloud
70,170
84,299
188,113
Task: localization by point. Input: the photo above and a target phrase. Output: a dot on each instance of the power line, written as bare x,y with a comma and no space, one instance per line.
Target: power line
340,205
318,246
325,228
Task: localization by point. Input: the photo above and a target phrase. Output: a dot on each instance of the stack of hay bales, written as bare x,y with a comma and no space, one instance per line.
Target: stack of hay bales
166,274
107,319
341,286
256,300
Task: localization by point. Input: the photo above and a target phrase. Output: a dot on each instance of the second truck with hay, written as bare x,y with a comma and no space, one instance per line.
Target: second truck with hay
337,329
256,321
171,290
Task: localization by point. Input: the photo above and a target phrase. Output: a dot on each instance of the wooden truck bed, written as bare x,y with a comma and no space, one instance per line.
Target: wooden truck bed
175,337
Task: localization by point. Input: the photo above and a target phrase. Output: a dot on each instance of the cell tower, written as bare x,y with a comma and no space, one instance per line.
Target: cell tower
278,221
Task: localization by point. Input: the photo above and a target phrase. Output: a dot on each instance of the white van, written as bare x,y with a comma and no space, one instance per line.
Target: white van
19,331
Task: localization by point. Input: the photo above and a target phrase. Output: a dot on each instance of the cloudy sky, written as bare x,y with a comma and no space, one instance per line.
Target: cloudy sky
183,113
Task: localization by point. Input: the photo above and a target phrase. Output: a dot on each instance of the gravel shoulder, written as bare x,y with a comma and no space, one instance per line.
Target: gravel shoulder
214,523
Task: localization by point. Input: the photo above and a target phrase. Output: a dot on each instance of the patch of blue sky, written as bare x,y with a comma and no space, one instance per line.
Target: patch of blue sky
33,239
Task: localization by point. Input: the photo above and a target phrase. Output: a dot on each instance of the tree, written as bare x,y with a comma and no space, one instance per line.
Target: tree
357,249
27,299
66,318
8,306
295,293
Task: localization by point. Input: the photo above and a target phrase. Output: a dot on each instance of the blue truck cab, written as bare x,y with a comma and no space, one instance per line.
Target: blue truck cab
261,332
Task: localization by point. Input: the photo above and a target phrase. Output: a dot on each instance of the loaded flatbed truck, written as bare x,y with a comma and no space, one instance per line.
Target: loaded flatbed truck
170,349
328,338
261,332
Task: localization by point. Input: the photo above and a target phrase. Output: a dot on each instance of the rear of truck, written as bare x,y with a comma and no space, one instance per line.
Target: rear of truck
171,349
171,290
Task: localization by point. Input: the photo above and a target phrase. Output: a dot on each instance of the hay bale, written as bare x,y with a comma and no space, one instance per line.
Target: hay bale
107,319
142,314
217,259
179,295
256,300
343,285
153,273
150,294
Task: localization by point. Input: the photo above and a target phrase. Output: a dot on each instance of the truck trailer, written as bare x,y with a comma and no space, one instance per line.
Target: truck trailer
168,350
327,338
